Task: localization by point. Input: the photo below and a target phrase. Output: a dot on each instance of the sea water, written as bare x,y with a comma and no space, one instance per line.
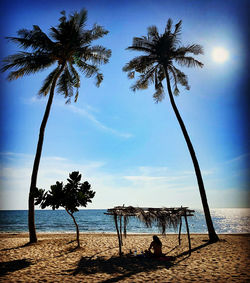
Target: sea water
226,220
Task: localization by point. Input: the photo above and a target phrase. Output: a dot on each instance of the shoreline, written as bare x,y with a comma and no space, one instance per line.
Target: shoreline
55,258
114,233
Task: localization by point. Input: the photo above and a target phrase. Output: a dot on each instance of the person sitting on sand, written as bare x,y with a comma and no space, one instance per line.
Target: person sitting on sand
157,248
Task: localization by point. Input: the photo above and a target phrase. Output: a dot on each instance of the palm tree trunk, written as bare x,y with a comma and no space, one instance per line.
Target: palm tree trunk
77,228
211,232
31,214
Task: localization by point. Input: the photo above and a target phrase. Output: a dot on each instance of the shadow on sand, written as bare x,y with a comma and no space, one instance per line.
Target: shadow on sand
125,266
18,247
14,265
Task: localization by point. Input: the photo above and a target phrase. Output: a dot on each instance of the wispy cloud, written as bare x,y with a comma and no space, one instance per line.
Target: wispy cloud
240,158
144,178
160,177
87,113
83,112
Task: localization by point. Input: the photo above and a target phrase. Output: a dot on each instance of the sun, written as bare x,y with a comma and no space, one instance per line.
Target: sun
220,54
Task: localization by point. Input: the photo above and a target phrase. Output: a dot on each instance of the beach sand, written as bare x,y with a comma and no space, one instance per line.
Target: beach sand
55,259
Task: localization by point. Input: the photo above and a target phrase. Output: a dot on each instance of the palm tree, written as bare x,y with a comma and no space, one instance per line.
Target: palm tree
68,46
157,64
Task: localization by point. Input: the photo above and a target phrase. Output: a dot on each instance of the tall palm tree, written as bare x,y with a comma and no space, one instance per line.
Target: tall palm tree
157,64
68,46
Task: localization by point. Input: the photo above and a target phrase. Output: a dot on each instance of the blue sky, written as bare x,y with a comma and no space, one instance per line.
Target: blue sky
130,149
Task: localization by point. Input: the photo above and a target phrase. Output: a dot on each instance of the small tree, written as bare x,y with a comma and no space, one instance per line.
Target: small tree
70,196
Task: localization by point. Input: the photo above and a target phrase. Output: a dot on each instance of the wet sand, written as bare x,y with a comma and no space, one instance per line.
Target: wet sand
55,259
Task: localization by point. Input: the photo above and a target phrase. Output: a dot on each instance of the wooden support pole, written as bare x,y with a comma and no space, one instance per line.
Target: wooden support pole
189,242
121,229
179,238
118,234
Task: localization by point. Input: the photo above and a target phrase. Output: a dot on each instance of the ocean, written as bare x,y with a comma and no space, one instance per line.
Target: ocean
226,220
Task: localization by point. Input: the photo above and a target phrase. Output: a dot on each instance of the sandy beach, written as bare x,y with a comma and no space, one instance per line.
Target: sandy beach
55,259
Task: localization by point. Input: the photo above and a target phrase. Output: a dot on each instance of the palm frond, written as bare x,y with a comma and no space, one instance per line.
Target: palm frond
75,76
131,75
173,77
145,79
178,77
98,32
140,48
48,82
80,18
76,95
26,63
87,69
76,80
177,30
54,33
36,39
142,44
65,84
195,49
188,61
63,17
153,33
139,64
99,79
182,79
98,54
159,95
139,85
169,26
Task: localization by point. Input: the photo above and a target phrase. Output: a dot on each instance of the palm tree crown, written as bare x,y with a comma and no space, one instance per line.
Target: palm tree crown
69,45
162,50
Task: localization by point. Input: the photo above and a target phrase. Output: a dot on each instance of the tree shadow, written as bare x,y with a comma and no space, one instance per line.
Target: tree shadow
72,241
18,247
121,267
74,249
14,265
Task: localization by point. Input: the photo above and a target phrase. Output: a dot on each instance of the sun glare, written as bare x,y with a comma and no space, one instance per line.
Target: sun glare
220,54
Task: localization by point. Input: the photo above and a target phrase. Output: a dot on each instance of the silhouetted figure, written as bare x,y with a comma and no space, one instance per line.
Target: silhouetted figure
156,245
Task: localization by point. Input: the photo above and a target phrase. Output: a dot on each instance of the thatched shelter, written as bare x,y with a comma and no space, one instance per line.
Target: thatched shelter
163,217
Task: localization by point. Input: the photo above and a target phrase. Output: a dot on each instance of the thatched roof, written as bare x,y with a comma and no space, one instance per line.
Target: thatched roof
162,217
